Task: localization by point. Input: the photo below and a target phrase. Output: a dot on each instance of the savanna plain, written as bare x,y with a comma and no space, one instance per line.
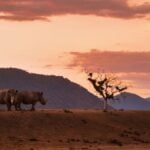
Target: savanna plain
64,129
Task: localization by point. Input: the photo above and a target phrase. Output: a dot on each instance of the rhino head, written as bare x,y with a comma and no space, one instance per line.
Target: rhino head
12,93
41,98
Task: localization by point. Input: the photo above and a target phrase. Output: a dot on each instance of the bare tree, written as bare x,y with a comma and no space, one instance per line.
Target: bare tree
107,85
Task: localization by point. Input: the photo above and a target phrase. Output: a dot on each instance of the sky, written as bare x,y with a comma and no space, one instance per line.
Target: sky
64,37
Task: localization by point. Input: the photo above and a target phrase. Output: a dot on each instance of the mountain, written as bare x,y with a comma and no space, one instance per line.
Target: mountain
59,91
148,99
130,101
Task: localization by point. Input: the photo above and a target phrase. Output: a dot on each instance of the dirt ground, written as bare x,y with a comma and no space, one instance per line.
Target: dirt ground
74,130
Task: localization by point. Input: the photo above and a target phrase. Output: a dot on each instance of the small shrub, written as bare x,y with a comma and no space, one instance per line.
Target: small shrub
84,121
84,148
48,141
86,141
33,139
77,140
67,111
124,135
136,133
116,142
95,142
60,141
138,140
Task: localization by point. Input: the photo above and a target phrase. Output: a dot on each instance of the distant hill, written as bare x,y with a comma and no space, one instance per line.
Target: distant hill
130,101
148,99
59,91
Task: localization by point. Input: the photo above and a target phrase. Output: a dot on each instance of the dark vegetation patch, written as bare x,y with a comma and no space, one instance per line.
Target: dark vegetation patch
48,141
140,140
84,121
115,142
72,140
67,111
129,133
84,148
91,141
86,141
33,140
60,141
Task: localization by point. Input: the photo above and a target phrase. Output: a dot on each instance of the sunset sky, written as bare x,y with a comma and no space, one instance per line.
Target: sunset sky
62,37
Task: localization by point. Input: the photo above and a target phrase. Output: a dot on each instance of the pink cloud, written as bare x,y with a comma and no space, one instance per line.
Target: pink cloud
42,9
133,67
128,62
138,80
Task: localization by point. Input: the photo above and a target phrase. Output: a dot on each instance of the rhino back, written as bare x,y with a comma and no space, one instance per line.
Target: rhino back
4,96
27,97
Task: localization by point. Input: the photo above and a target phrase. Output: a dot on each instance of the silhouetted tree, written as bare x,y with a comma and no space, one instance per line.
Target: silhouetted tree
107,85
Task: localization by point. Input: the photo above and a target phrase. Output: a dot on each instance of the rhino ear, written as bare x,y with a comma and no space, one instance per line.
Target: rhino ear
16,91
41,93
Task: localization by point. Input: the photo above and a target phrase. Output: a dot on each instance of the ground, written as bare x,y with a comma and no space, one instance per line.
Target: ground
74,130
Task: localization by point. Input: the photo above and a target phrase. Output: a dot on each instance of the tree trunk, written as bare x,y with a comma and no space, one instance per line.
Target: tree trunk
105,105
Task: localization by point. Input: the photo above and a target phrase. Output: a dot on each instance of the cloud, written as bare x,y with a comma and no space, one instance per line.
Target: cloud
138,80
48,66
133,67
21,10
117,62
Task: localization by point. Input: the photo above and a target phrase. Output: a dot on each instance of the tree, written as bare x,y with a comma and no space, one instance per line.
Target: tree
107,85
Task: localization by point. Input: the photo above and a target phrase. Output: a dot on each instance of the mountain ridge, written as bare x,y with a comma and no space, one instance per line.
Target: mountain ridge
63,93
130,101
59,91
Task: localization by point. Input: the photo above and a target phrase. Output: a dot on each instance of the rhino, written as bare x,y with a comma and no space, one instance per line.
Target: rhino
7,96
28,97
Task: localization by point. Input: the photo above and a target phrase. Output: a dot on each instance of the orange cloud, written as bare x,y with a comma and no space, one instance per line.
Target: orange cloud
43,9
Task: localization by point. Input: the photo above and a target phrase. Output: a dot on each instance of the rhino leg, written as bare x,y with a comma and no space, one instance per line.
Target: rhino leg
33,108
8,107
17,107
